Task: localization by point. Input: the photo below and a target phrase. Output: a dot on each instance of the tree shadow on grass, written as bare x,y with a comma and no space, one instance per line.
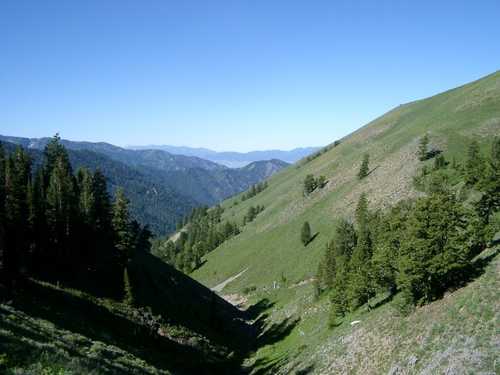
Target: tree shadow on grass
312,239
77,314
276,332
254,311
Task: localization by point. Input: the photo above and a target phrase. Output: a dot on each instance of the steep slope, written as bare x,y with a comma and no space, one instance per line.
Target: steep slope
186,329
235,159
279,268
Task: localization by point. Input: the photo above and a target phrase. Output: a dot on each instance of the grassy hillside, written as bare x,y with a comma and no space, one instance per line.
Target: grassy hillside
185,328
269,249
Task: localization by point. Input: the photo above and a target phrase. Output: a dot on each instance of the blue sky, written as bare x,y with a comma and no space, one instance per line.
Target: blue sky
231,75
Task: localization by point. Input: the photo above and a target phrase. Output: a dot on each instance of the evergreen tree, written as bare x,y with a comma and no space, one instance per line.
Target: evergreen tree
121,225
2,184
86,196
474,166
309,184
495,152
54,152
128,290
102,202
423,148
359,286
305,234
2,211
435,248
17,177
365,167
61,209
489,185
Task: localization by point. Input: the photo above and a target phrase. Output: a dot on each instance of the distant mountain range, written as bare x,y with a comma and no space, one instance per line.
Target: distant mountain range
234,159
161,186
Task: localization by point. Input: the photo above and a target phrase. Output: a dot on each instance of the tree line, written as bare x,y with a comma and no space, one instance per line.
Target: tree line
419,248
63,226
254,190
202,232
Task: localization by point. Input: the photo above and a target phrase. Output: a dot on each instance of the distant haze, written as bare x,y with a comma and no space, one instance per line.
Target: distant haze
234,159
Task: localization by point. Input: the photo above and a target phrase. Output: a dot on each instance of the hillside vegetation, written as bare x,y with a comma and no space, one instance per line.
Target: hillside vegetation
162,187
280,270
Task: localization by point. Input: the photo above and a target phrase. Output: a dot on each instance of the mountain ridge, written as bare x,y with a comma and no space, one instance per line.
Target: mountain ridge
234,159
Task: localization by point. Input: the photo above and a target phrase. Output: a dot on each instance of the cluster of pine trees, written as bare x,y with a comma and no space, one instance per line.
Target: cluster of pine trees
418,248
62,226
203,231
254,190
252,214
311,183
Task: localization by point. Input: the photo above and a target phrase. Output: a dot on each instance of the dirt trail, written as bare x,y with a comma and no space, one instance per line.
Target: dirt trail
220,287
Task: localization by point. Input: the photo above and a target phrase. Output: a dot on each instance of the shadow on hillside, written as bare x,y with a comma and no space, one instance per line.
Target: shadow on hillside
475,270
373,170
276,332
315,235
82,316
254,311
266,366
27,342
183,301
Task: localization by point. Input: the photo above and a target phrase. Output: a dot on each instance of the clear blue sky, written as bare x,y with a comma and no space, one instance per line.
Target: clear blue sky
231,75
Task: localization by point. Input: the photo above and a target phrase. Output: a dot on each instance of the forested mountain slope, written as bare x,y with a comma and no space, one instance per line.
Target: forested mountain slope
279,268
161,186
153,201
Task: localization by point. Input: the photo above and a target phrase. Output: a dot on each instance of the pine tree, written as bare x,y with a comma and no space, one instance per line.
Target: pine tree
2,211
309,184
435,248
474,166
365,167
495,152
54,152
102,201
128,299
121,225
61,209
2,184
305,234
423,148
86,196
17,177
489,185
359,286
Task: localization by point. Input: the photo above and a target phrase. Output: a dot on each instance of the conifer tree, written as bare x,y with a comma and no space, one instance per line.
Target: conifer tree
365,167
61,208
86,196
359,285
54,152
423,148
2,211
17,177
309,184
121,225
128,289
474,166
305,234
435,247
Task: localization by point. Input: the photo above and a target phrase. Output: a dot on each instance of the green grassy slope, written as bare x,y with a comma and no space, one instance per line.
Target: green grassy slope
270,247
